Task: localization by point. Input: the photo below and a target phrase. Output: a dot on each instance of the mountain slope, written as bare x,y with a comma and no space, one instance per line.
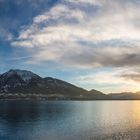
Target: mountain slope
95,94
21,83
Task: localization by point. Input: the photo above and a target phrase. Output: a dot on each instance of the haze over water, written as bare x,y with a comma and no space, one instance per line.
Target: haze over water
71,120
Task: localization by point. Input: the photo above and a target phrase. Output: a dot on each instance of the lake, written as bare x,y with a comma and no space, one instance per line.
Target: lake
69,120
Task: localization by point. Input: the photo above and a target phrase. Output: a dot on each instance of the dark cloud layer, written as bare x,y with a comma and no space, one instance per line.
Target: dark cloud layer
131,76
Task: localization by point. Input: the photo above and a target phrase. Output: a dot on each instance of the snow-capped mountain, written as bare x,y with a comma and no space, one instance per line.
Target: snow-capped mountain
27,83
15,79
23,74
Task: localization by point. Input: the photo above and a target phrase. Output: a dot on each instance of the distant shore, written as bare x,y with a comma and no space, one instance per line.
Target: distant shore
29,96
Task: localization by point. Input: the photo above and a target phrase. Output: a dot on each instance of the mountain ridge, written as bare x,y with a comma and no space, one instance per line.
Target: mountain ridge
23,84
18,83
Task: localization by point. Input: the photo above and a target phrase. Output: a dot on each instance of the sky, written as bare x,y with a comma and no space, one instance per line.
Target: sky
94,44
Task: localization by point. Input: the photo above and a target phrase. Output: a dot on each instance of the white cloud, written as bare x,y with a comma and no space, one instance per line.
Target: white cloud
65,23
5,35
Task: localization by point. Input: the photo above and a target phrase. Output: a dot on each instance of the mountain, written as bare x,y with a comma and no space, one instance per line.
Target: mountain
22,84
124,96
25,84
95,94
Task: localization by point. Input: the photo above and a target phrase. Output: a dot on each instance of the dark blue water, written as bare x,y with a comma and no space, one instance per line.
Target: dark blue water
69,120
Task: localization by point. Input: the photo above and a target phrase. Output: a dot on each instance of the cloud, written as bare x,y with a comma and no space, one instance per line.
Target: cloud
5,35
115,79
87,34
132,76
58,34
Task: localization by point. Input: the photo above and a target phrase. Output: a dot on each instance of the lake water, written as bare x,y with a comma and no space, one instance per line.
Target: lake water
69,120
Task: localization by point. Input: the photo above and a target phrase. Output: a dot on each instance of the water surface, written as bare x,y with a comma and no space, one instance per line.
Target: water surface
69,120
